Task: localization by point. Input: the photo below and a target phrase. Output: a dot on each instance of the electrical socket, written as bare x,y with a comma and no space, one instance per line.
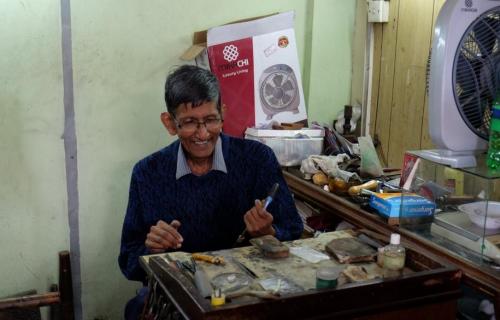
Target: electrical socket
378,11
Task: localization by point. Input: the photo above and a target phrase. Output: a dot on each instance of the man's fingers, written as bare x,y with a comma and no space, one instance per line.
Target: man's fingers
157,250
164,235
162,224
167,241
151,244
249,221
259,204
175,224
261,211
172,241
171,228
257,220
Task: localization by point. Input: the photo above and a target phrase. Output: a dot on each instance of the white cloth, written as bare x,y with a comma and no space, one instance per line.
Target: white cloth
328,164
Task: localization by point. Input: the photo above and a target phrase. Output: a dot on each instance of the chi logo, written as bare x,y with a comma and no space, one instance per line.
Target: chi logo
230,53
468,3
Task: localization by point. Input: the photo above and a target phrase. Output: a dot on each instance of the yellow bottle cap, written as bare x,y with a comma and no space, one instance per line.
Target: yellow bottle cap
218,301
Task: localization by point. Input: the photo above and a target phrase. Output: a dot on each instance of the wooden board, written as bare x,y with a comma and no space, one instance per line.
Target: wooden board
399,115
387,67
426,142
409,77
376,65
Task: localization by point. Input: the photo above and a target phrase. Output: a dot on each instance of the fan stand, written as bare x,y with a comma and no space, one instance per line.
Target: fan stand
454,159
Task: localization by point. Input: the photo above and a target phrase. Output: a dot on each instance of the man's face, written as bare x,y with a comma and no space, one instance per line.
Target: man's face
198,128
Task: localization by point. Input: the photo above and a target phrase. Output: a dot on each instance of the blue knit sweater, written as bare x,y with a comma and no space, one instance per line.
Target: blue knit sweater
210,208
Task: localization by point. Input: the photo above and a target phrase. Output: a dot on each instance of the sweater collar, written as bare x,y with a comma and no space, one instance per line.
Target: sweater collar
217,164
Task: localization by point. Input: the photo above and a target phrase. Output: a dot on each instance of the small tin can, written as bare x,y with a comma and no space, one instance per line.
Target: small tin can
326,277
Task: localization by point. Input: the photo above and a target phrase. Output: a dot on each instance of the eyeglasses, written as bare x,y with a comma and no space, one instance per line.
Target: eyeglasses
190,125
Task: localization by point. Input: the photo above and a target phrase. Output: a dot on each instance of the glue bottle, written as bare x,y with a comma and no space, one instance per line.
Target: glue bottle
394,257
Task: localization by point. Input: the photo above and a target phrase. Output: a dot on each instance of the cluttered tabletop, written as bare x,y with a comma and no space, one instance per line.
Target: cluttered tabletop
247,267
269,270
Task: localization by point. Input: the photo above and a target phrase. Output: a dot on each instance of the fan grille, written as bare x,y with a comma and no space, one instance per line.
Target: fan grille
476,71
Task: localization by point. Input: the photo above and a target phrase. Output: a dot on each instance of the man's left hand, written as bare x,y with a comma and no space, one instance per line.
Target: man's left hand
258,221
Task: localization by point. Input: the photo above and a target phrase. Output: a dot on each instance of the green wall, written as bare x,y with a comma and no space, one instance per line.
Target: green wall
122,51
331,59
33,210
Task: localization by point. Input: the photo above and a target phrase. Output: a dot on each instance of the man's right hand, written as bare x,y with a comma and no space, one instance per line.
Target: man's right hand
164,236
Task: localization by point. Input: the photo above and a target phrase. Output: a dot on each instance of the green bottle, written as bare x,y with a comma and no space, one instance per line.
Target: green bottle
493,158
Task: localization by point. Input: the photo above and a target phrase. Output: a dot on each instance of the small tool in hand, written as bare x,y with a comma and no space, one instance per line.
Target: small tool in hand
266,202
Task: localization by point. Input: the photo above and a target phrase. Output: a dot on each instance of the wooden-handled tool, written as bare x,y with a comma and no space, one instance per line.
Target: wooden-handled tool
356,190
208,258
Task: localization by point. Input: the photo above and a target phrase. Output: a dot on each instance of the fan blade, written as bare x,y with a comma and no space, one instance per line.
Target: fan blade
487,78
277,79
467,75
288,85
473,105
274,102
497,72
268,89
486,33
286,98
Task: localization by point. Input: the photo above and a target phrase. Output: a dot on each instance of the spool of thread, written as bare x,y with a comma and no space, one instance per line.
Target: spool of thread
326,277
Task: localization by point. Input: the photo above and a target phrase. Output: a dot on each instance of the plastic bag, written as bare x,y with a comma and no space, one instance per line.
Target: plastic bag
370,164
327,164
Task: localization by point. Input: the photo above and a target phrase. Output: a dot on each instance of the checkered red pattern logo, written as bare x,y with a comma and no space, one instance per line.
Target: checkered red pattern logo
230,53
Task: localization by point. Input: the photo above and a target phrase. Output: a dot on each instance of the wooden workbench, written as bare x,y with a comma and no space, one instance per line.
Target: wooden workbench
426,290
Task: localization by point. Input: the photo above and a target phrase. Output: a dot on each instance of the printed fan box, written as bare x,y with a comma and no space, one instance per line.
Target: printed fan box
257,65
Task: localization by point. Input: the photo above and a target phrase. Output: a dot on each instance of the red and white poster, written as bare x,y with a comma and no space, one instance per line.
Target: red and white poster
257,65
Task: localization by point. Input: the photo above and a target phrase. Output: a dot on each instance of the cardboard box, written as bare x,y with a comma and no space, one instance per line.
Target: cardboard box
197,52
398,205
256,62
257,65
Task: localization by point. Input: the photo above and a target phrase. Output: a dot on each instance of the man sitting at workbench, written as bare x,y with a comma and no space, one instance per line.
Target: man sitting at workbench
200,192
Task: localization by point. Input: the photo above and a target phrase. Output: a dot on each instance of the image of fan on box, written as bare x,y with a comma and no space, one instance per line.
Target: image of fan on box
278,90
203,190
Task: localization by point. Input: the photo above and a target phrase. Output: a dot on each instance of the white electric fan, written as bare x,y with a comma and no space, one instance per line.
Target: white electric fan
464,74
